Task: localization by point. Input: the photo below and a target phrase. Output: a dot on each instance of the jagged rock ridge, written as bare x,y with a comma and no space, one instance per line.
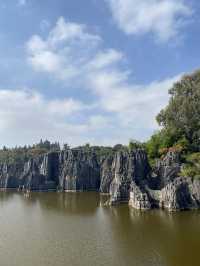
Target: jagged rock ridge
126,176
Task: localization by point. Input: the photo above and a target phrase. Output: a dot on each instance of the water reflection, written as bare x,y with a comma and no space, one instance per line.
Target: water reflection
77,229
5,196
73,203
159,237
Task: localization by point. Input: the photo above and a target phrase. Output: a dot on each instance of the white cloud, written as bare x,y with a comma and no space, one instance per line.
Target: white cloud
105,59
69,31
98,122
27,116
163,18
135,105
121,109
66,41
47,61
36,44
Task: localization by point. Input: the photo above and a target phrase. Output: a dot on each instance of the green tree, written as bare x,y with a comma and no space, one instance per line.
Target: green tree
182,115
134,144
191,167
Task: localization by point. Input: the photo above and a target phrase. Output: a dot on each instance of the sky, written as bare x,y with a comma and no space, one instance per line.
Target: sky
91,71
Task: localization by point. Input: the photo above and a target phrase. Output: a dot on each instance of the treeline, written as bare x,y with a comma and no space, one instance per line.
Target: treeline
23,154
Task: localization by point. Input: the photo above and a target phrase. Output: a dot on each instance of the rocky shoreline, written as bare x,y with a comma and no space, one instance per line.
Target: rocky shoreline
126,176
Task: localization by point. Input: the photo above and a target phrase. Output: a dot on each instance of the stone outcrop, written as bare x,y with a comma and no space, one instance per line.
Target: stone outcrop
165,189
40,173
127,167
126,176
67,170
10,175
139,198
36,174
78,171
181,194
106,175
168,168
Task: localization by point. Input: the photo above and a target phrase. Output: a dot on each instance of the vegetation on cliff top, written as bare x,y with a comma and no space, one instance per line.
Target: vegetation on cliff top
22,154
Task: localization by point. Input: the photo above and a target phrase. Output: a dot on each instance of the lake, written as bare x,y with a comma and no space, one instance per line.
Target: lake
58,229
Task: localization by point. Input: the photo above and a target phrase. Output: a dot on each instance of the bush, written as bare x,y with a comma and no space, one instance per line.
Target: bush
134,144
192,166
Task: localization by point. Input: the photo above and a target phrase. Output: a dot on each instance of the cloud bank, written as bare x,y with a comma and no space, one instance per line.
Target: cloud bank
75,55
162,18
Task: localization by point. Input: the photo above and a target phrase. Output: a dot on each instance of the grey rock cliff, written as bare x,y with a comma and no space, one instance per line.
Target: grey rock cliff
78,170
128,167
40,173
106,174
166,189
168,168
10,175
66,170
181,194
126,176
139,198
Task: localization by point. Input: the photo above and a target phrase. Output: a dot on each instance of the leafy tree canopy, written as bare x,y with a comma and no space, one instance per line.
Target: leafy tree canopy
181,118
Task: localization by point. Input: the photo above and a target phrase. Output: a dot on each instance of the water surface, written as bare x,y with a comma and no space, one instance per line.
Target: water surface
57,229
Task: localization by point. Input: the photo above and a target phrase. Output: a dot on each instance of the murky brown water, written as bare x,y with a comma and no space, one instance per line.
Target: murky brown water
57,229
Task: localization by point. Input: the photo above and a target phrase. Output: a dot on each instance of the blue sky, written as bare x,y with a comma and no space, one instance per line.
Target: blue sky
91,71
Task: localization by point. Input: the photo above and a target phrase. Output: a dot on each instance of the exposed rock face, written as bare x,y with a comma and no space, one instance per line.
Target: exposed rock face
126,176
181,194
10,175
127,167
41,173
139,198
168,168
166,190
106,175
78,171
67,170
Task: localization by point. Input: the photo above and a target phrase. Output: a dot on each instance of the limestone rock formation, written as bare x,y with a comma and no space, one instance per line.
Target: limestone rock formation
78,171
106,175
166,189
66,170
181,194
10,175
127,167
168,168
40,173
139,198
126,176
